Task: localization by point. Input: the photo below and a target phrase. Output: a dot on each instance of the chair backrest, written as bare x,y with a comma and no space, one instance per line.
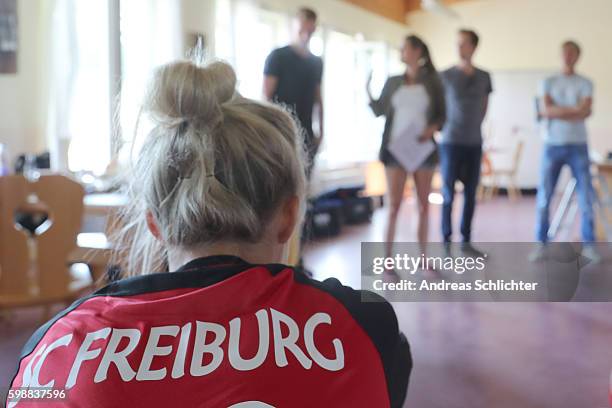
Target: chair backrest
64,199
14,255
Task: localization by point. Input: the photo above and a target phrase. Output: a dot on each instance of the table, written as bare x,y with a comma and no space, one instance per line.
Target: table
103,203
604,181
93,248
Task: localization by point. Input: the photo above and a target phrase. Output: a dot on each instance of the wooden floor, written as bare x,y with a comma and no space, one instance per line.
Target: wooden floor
467,355
497,220
488,355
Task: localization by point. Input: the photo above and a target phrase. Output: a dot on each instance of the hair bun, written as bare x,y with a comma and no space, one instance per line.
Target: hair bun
223,80
183,91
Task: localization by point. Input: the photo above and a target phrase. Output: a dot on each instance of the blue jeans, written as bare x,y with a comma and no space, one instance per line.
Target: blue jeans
554,157
459,162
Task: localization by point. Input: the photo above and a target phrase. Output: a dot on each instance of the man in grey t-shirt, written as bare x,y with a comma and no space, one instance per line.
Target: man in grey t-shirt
467,90
567,100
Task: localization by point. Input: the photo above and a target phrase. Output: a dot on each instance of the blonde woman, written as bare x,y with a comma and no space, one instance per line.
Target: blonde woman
216,193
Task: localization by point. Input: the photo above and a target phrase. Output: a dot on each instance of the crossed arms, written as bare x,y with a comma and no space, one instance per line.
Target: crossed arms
571,113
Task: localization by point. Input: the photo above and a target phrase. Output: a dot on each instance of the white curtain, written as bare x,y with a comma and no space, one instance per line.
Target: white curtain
151,35
79,115
62,58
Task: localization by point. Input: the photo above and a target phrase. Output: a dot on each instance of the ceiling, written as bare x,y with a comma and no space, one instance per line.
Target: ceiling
414,5
394,9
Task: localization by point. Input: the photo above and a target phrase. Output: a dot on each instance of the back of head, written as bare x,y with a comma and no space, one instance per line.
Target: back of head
215,167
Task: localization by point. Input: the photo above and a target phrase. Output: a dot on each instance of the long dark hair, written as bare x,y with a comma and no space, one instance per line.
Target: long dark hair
416,42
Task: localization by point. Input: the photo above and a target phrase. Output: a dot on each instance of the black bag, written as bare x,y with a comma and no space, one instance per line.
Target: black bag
324,218
356,209
42,161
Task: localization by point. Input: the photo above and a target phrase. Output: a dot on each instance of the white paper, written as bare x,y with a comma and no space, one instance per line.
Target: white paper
408,150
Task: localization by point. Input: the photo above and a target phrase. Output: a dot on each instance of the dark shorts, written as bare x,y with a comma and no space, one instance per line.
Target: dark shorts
429,164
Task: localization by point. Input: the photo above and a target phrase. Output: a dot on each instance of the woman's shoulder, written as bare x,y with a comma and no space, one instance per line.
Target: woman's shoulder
370,310
430,75
432,81
396,79
377,318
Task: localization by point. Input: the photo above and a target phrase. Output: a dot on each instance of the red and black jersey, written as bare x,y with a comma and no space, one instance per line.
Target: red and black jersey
221,332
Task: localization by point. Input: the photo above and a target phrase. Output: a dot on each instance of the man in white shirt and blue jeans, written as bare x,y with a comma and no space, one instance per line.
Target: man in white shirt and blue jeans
567,102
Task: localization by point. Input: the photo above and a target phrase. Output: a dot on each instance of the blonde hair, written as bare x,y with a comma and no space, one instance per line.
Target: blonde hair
215,167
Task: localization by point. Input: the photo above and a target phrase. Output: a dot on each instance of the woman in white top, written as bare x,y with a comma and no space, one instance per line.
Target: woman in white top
414,100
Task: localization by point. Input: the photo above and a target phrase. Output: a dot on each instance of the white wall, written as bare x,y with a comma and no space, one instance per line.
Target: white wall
22,123
526,35
512,118
198,17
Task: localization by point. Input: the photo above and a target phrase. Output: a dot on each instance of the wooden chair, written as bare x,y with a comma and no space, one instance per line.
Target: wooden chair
33,267
494,175
603,186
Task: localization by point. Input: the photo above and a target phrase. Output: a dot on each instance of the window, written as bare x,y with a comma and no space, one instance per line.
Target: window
79,108
82,104
245,35
257,33
148,33
352,134
150,37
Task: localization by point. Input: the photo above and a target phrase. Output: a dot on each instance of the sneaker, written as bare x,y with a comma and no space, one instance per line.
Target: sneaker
539,254
589,252
468,249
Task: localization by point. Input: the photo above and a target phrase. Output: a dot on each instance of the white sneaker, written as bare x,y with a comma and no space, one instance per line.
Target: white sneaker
539,254
589,252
